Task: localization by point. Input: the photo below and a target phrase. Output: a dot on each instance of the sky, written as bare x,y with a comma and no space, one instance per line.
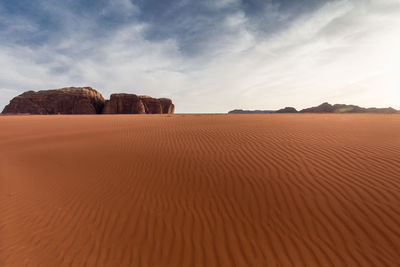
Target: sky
208,56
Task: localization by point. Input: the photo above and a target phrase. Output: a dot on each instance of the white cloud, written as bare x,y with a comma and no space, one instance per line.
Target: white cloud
345,52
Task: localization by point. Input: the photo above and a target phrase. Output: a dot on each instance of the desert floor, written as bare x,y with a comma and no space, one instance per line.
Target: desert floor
200,190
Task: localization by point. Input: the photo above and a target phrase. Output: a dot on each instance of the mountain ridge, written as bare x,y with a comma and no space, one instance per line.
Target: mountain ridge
323,108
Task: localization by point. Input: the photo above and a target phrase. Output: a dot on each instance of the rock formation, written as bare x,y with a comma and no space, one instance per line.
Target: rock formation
167,106
133,104
72,100
124,104
86,100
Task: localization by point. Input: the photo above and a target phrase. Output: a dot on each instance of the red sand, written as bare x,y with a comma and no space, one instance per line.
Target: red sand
200,190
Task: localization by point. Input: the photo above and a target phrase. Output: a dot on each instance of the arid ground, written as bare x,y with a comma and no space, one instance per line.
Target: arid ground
200,190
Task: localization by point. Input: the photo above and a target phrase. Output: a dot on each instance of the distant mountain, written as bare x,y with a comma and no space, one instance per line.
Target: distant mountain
323,108
287,110
342,108
241,111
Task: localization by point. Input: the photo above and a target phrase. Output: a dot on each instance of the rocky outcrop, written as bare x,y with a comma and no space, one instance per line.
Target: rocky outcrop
157,105
124,104
167,106
133,104
86,100
151,105
72,100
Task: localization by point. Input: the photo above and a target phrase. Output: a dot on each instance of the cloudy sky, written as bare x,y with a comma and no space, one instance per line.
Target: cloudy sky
207,55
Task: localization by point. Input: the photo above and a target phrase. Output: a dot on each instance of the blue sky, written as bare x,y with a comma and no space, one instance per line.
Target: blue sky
208,56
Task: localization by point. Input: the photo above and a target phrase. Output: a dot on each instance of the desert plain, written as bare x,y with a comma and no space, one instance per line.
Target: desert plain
200,190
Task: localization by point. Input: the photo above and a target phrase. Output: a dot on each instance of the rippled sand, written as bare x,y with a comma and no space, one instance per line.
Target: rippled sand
200,190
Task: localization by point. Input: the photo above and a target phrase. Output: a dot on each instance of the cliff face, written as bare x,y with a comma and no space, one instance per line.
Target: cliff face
71,100
124,104
166,106
86,100
157,105
133,104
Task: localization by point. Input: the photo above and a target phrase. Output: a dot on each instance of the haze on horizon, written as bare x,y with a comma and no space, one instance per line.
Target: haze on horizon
208,56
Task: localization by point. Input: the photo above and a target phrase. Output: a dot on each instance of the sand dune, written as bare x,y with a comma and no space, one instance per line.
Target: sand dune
200,190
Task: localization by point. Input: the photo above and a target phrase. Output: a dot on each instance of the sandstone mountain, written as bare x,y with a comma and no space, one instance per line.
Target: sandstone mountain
133,104
157,106
86,100
72,100
124,104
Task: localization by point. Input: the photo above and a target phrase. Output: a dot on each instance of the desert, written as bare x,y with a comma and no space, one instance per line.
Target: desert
217,133
200,190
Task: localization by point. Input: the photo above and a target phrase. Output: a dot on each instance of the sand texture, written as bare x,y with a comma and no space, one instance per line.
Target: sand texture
200,190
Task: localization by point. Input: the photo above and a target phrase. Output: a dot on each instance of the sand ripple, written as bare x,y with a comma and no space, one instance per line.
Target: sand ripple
200,190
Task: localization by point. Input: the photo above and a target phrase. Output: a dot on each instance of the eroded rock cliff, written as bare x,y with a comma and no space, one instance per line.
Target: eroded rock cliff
124,104
86,100
71,100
